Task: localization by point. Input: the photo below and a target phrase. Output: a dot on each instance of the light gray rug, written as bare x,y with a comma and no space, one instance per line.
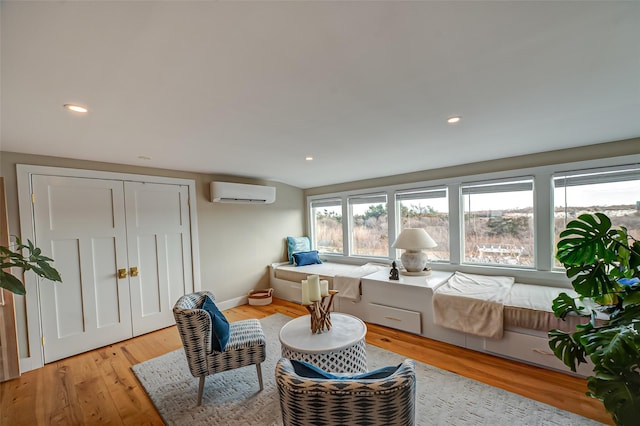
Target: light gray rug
232,397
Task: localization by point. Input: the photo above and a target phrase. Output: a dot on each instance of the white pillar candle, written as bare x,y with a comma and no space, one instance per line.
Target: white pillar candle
324,287
314,287
305,293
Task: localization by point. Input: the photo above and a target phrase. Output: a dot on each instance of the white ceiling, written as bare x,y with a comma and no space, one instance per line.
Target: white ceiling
251,88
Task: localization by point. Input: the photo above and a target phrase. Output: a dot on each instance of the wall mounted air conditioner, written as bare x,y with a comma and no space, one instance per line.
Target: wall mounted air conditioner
227,192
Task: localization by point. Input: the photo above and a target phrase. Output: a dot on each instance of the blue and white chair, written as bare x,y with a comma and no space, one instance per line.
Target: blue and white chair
246,344
384,397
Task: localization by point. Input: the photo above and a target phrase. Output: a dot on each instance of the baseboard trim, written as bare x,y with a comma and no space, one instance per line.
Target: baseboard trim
232,303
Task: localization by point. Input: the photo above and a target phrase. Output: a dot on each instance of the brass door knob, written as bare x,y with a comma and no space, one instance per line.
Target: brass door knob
122,273
133,271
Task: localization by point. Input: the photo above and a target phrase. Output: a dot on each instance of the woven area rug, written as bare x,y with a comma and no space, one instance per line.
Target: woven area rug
232,397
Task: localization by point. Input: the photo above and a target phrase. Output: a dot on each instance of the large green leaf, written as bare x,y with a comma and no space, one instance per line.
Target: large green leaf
620,394
585,239
634,258
629,315
566,349
631,300
592,280
565,304
11,283
613,347
45,270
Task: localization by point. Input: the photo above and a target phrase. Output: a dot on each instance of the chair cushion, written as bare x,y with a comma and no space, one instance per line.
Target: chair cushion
310,371
303,258
220,324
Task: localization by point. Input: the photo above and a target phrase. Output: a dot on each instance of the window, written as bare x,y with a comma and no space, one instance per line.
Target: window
428,209
614,192
369,225
498,222
327,225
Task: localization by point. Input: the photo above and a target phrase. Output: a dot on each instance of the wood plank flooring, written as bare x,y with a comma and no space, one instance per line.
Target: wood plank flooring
98,387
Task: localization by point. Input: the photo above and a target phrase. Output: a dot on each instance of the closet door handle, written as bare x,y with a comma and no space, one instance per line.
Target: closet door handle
122,273
133,271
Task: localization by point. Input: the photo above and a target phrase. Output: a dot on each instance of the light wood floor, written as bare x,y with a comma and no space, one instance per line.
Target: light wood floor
98,387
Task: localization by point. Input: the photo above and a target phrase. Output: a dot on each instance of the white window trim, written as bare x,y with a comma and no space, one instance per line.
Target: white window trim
543,272
435,192
515,183
366,198
324,202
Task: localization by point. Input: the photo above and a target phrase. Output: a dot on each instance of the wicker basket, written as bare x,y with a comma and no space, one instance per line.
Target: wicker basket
261,297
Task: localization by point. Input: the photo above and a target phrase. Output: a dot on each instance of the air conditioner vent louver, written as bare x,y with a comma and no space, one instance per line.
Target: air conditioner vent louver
228,192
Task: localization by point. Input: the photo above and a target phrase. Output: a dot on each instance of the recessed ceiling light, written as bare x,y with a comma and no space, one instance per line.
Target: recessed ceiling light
75,108
144,157
453,120
308,158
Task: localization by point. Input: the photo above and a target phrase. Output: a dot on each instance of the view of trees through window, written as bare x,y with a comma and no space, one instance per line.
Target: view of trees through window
616,194
370,227
498,223
497,216
328,228
432,214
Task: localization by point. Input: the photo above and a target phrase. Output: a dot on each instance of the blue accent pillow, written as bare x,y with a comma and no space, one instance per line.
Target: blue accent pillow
306,258
296,244
220,325
310,371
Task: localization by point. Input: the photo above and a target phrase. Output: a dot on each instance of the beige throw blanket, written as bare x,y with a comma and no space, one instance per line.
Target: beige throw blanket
472,304
348,285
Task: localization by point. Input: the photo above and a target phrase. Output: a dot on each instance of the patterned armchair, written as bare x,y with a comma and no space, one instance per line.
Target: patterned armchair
310,401
246,345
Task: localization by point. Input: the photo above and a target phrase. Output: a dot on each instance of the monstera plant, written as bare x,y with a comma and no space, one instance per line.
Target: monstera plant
603,264
33,261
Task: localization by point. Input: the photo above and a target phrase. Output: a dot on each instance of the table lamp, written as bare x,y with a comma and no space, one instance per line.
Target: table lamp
413,240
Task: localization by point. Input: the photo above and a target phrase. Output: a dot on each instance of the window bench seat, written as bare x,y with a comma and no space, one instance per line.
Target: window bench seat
407,305
285,278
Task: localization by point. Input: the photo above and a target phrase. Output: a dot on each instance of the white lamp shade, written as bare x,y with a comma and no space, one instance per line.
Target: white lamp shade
414,239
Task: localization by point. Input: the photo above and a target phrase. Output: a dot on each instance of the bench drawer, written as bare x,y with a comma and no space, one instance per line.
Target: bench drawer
400,319
530,348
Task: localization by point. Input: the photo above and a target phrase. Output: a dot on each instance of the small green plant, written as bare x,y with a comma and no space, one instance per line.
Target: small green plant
604,266
34,261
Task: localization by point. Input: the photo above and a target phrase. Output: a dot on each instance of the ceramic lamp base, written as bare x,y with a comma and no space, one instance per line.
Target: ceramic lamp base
414,260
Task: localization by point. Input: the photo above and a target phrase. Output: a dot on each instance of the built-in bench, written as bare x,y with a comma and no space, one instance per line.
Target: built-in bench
407,304
285,278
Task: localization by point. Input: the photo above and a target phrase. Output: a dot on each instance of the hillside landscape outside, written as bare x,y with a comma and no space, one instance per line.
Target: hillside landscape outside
504,237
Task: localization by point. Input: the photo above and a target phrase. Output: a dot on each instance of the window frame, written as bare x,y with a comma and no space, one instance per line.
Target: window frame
495,186
587,176
414,194
378,197
324,202
543,272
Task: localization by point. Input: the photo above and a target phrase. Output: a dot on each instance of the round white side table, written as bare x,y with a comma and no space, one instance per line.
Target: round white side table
339,350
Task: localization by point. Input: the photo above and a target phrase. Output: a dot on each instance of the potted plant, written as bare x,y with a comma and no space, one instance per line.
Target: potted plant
603,264
34,261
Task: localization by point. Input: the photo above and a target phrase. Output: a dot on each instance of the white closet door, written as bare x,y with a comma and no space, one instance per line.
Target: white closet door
80,223
159,246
